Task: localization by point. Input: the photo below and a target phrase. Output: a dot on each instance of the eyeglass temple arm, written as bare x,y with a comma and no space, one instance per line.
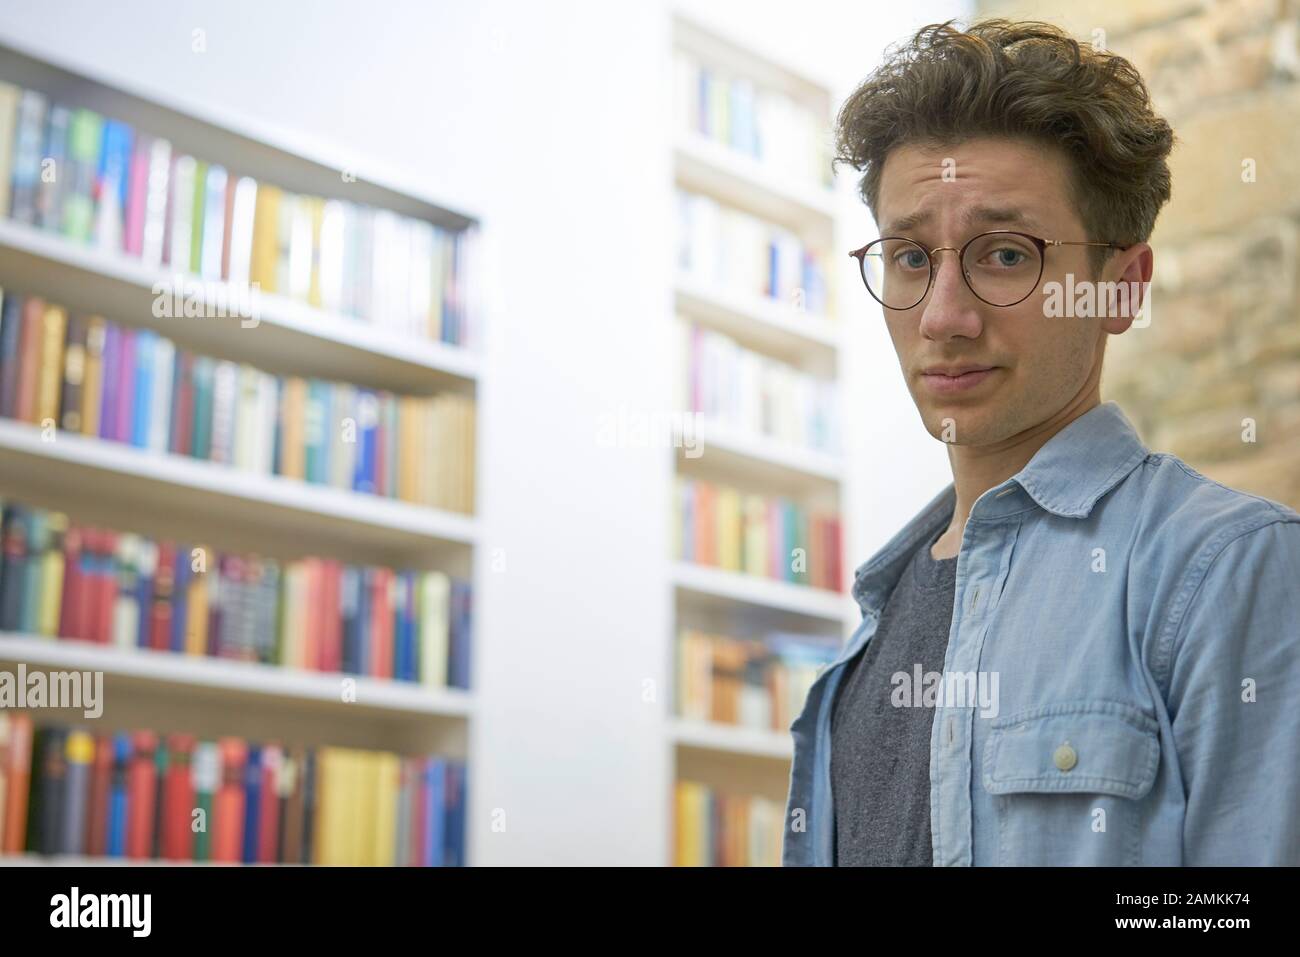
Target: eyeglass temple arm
1063,242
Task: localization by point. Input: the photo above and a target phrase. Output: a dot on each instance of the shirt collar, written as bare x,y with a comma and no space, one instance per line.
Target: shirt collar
1067,476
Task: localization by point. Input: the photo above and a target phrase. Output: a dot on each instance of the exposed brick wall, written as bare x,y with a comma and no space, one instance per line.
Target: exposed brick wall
1224,341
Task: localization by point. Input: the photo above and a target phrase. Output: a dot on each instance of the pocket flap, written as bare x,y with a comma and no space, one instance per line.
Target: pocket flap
1097,746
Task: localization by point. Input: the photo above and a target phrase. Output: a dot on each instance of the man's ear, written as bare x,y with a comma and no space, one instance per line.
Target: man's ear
1130,273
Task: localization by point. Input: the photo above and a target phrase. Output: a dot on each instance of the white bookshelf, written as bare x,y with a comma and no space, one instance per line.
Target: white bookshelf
736,759
82,466
163,494
238,682
286,332
731,739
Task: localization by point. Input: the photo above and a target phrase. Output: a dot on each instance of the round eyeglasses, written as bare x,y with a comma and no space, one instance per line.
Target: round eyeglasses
1000,267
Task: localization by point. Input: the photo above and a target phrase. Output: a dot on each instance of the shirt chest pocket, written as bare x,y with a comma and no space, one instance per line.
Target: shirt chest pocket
1067,781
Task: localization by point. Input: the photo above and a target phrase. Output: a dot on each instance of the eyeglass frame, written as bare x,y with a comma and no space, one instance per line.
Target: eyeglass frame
1042,244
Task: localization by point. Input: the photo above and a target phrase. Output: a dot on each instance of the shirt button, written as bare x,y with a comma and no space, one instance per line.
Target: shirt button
1065,757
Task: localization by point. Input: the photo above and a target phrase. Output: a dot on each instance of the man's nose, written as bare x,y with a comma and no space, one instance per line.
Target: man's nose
951,309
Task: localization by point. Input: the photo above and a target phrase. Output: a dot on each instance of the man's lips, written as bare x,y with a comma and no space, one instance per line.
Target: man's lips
947,380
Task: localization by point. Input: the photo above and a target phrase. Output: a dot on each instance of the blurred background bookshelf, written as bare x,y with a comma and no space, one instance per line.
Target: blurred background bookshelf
309,647
757,565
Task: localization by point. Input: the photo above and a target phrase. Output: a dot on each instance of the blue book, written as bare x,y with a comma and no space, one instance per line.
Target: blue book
773,270
435,812
49,196
455,826
13,577
28,131
367,426
37,543
349,598
117,801
180,596
11,322
366,579
252,803
144,598
458,666
114,173
145,345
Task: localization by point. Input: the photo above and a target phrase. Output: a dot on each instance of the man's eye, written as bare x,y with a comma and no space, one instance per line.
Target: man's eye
911,259
1007,257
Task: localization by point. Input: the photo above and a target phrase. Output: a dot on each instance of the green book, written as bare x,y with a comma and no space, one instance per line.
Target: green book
196,216
85,132
204,367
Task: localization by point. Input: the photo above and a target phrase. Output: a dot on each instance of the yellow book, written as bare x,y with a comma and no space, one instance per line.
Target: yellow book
294,459
406,451
388,782
360,822
51,578
755,535
729,533
470,444
266,238
50,375
9,96
330,806
93,377
196,621
316,211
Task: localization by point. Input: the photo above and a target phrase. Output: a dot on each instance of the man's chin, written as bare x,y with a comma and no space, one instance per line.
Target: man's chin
962,424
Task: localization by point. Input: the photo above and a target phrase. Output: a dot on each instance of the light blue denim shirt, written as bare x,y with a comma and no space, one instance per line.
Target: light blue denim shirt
1143,624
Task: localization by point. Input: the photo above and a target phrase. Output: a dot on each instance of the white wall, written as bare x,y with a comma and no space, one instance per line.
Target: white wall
547,120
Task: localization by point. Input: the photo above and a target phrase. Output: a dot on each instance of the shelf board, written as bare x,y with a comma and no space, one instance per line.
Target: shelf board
731,739
82,860
237,681
752,454
288,336
766,323
735,179
719,585
83,466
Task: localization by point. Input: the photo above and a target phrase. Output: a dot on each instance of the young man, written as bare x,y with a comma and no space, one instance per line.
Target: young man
1081,651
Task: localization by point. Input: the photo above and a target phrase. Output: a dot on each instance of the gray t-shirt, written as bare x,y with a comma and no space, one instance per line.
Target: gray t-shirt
880,754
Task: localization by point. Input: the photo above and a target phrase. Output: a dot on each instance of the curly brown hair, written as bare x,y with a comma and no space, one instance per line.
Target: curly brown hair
1022,79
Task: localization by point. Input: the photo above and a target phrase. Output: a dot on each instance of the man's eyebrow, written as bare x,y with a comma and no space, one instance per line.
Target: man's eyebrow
994,215
998,215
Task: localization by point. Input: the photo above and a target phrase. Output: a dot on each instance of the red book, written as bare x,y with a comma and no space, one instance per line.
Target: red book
101,780
232,180
837,556
228,805
73,602
178,800
141,784
419,813
30,334
160,615
106,586
311,638
268,833
17,771
332,658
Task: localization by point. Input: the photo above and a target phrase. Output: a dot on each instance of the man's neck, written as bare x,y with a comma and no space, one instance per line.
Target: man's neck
976,469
